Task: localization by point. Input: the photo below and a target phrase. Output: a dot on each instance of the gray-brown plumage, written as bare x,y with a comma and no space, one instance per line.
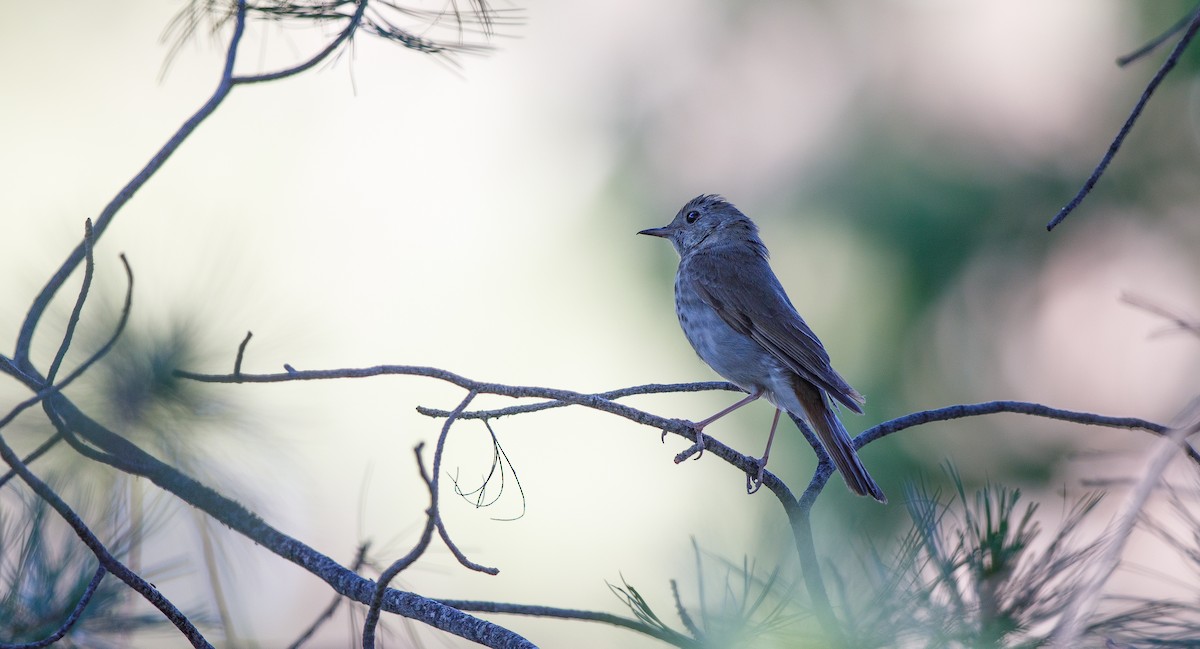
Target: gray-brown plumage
740,321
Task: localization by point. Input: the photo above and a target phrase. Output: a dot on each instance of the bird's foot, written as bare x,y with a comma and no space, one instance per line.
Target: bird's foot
696,449
753,484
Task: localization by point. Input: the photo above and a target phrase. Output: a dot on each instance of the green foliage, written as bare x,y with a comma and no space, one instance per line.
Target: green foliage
969,574
975,569
43,575
747,609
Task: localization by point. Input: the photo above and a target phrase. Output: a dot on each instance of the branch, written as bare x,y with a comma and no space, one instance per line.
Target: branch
1018,407
359,559
797,510
120,453
1192,26
650,388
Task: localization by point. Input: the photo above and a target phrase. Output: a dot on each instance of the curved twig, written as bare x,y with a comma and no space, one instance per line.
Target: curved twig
76,373
1192,26
381,586
89,271
348,32
42,301
1018,407
1155,42
437,468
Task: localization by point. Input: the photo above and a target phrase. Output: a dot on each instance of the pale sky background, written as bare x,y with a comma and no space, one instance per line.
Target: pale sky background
385,209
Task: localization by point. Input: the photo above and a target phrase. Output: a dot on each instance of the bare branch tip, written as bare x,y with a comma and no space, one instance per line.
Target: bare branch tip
241,352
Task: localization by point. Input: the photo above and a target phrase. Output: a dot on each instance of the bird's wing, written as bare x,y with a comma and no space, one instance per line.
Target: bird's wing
742,289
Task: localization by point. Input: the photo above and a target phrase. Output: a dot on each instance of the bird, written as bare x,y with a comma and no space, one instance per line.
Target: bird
738,318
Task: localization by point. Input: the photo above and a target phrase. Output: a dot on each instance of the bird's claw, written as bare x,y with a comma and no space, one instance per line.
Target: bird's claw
755,483
696,450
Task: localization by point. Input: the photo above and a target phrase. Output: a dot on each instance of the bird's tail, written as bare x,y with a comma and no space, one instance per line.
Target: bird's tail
836,441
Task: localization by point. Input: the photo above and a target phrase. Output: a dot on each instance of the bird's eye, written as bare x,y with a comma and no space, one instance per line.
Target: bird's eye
692,216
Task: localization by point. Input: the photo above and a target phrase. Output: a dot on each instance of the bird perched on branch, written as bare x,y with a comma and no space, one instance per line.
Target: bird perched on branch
740,321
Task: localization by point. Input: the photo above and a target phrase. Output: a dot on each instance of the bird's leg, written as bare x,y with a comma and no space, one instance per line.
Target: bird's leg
754,486
699,426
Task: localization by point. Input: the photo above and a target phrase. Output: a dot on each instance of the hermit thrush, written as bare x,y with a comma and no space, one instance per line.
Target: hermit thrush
740,321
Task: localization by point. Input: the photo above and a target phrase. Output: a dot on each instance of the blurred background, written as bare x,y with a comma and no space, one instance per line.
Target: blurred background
478,215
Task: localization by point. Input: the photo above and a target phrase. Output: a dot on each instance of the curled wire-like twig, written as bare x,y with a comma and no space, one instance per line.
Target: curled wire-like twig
497,471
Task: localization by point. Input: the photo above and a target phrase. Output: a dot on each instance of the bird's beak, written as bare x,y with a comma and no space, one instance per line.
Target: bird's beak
657,232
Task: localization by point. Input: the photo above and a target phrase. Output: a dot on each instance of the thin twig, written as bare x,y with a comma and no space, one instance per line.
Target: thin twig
1190,326
237,362
1163,70
345,34
89,271
1154,43
76,373
400,564
651,388
437,469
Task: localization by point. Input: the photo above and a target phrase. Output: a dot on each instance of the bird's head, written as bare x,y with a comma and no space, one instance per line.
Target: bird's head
706,221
